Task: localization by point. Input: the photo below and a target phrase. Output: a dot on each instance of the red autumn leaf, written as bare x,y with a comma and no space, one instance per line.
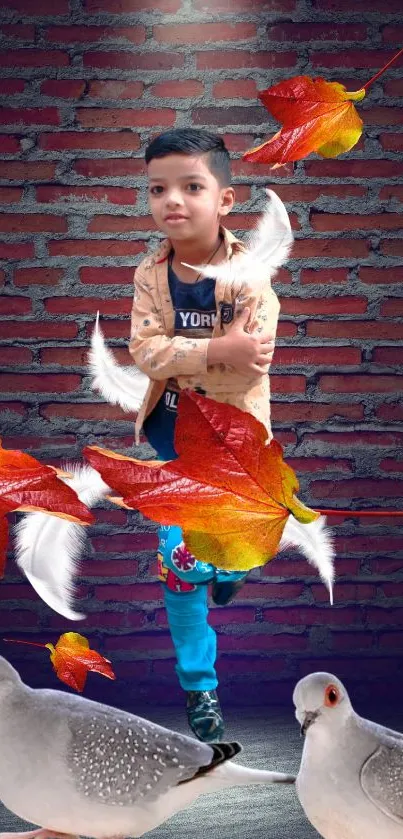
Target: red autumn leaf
28,486
317,116
72,659
232,505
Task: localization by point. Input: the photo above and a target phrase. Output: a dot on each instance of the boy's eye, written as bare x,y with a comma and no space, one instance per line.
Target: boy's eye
197,187
154,188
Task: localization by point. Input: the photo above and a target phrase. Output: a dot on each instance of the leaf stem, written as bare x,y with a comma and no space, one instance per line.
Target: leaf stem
383,69
30,643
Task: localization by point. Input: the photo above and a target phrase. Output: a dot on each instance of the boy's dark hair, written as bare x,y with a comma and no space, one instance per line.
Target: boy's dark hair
194,141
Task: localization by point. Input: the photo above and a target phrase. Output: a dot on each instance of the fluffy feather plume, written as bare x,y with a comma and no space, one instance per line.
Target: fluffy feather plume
314,540
124,386
48,548
269,245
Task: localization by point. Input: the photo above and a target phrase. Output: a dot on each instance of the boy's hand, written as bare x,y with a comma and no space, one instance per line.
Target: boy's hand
246,352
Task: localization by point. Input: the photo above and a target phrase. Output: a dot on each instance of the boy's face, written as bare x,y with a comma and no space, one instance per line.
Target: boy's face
182,185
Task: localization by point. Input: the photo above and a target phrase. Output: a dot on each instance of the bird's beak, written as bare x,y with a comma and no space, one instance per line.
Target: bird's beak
309,719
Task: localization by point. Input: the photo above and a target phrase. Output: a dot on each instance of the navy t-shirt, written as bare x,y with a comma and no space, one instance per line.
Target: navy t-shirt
195,314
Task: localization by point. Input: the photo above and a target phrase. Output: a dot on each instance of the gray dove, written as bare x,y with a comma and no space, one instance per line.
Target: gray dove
350,782
77,767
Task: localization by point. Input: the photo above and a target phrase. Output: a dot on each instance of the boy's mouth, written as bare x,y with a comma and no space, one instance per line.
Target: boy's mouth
175,218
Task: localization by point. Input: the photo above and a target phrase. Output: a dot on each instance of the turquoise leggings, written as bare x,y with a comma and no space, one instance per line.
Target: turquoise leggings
185,584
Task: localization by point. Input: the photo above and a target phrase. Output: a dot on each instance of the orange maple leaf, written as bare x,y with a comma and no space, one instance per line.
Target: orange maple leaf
232,503
317,116
72,659
27,485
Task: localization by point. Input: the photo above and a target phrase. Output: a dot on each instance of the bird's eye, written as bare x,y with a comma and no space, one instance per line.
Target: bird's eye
332,696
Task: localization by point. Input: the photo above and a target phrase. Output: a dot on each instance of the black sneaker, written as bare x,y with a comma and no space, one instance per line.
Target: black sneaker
222,593
205,715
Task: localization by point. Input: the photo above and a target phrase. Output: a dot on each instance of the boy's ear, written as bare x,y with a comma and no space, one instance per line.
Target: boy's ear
227,200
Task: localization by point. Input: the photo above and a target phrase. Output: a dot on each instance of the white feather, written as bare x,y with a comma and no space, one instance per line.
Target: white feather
124,386
48,548
268,245
314,540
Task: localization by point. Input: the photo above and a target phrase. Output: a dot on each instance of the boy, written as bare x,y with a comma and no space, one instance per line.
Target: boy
199,333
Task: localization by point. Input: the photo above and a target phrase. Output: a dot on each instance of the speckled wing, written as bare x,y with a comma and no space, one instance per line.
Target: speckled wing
382,780
119,759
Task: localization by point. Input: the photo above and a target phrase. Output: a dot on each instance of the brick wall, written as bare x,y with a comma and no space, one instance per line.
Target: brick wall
84,85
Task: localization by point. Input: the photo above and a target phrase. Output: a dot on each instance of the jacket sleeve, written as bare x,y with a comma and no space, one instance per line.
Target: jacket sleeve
156,354
264,307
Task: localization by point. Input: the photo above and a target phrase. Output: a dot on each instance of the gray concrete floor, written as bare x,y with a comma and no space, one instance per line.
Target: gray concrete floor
271,740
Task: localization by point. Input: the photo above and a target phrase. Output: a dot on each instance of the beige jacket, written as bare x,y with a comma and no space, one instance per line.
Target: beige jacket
161,355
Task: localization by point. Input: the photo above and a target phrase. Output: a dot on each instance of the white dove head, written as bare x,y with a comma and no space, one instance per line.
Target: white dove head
320,699
8,676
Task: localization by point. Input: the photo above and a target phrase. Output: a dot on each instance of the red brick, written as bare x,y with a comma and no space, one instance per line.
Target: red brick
390,640
390,412
84,411
308,193
393,274
16,250
384,617
356,438
306,248
270,591
66,356
63,88
70,140
338,356
27,442
317,32
37,276
286,329
119,224
109,568
393,307
313,616
360,6
95,247
324,305
379,115
14,170
313,412
34,58
125,117
131,60
374,330
32,383
392,247
29,116
87,34
13,407
114,89
358,488
70,194
204,33
15,306
15,355
2,277
388,355
394,589
344,592
243,168
239,59
392,191
42,7
320,464
253,643
178,89
288,384
389,464
346,221
351,169
9,144
324,276
37,330
31,223
356,59
236,115
10,86
360,384
286,437
10,194
393,87
88,305
112,168
351,641
248,6
386,566
125,543
17,618
120,275
149,644
122,6
135,593
239,88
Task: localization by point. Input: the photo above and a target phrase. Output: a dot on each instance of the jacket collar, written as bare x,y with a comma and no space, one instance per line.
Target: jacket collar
231,243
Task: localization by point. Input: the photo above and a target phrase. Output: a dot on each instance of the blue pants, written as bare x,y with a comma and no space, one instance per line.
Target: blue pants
185,582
